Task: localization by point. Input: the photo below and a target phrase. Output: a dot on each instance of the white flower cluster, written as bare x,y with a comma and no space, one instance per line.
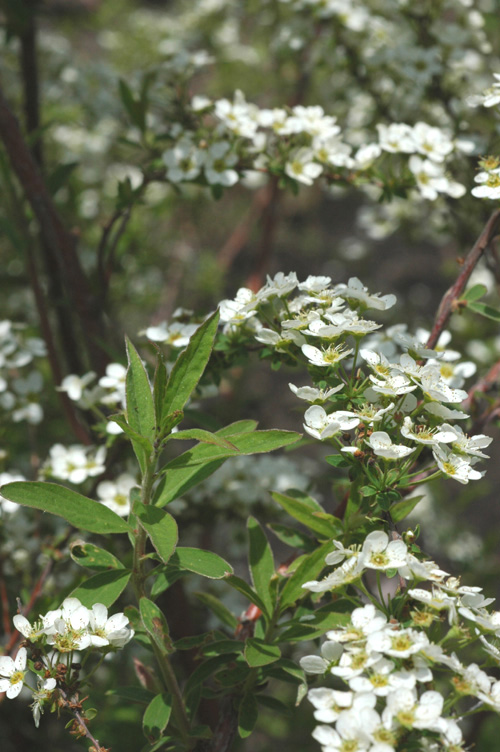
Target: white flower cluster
73,626
489,98
20,394
488,179
390,669
69,628
76,463
401,407
306,143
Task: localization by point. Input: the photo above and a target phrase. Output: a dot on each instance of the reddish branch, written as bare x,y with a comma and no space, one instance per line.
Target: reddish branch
53,232
450,301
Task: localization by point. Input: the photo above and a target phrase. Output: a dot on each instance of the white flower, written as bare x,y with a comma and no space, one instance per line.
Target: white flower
423,434
378,553
396,137
326,357
176,333
364,620
398,643
455,466
76,463
468,445
355,290
315,664
411,712
431,142
281,285
14,672
116,494
321,425
218,165
74,385
382,446
437,389
114,380
329,703
429,176
184,161
302,167
311,393
114,631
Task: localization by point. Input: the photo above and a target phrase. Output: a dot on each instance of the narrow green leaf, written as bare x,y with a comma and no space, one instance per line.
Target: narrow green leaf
178,481
206,437
244,588
93,557
273,704
403,508
135,109
161,528
286,670
155,625
292,537
223,647
201,562
474,293
247,715
136,694
203,671
257,442
105,587
485,310
140,406
261,562
219,609
190,365
307,570
304,513
159,387
156,717
260,653
78,510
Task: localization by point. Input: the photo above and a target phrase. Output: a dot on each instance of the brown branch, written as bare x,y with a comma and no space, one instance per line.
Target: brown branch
69,410
449,303
73,706
53,232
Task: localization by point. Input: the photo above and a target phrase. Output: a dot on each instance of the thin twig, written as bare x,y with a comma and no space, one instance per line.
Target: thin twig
449,302
73,706
54,233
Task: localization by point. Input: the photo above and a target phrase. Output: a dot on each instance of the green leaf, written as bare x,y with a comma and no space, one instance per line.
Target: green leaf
261,562
302,511
247,715
286,670
199,434
244,588
161,528
136,694
135,108
292,537
178,481
276,706
256,442
159,387
201,562
156,717
155,625
337,460
219,609
260,653
474,293
93,557
223,647
190,365
140,406
76,509
203,671
105,587
403,508
307,570
60,176
485,310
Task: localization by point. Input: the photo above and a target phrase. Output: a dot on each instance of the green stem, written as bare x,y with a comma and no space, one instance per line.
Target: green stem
139,576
